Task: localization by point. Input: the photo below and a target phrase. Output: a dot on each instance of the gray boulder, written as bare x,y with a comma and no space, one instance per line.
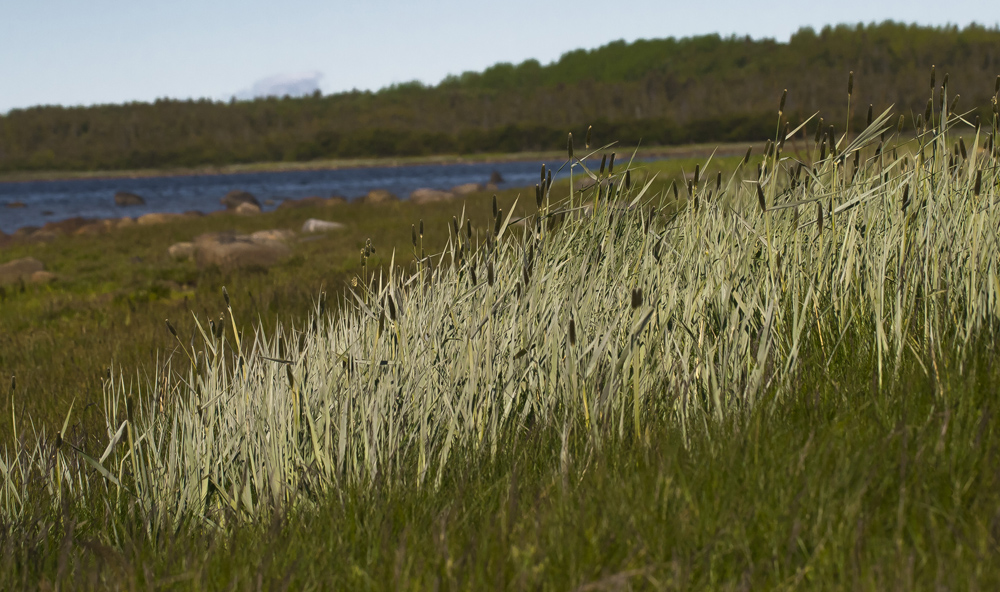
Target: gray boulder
19,269
233,199
228,250
124,199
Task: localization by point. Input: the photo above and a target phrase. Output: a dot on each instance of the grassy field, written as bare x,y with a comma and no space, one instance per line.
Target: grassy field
857,449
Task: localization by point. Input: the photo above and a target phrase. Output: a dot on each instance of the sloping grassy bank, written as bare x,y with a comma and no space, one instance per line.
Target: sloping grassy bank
842,487
779,379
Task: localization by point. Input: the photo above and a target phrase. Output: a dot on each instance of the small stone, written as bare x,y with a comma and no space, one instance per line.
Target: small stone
314,225
263,236
425,196
247,209
181,251
228,250
18,269
15,204
42,277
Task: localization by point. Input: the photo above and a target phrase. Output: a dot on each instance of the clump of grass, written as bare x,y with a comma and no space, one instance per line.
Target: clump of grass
693,316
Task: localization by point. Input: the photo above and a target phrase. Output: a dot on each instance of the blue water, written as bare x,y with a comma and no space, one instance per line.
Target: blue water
47,201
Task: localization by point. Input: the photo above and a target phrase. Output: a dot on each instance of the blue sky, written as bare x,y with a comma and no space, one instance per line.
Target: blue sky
74,52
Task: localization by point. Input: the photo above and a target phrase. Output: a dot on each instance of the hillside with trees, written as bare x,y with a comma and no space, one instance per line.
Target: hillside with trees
657,92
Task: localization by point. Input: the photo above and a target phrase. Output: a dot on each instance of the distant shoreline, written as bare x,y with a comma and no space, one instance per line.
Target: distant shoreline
684,151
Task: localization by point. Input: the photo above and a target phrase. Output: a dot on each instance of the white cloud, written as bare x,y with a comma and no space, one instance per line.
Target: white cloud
296,84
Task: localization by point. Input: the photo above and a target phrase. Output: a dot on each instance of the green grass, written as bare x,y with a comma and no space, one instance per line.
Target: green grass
840,488
856,448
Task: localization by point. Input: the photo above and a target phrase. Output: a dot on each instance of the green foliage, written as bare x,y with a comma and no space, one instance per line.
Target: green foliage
657,92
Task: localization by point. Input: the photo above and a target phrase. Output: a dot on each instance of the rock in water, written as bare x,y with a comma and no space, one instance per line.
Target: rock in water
233,199
124,198
314,225
496,178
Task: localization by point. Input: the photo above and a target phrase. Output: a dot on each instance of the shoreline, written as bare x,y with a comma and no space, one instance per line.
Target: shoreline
666,152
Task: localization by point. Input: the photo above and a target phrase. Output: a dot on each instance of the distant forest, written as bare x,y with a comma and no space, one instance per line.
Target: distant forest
657,92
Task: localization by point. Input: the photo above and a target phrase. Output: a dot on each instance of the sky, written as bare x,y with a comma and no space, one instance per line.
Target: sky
76,52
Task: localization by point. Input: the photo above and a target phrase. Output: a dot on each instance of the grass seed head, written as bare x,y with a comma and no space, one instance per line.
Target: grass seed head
225,295
604,163
961,148
497,222
572,331
746,158
954,104
413,233
569,145
586,143
906,197
760,198
850,84
819,217
781,106
636,298
611,164
628,179
171,328
933,79
979,182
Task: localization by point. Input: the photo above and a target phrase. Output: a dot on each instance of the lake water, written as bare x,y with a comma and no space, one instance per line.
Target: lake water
47,201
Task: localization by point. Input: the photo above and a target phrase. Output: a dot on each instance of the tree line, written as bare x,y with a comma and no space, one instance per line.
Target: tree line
657,92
